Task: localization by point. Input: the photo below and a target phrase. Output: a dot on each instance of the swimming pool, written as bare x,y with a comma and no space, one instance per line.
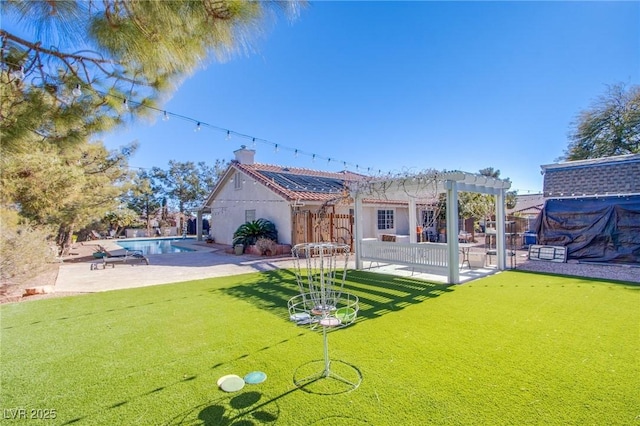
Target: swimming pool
155,245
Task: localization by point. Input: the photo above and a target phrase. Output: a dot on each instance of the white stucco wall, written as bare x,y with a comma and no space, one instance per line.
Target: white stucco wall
370,221
229,207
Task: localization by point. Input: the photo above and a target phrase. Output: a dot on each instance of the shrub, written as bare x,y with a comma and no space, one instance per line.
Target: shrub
248,233
24,248
265,245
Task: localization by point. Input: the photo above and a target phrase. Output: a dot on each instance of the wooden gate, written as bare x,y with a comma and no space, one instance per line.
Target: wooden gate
311,227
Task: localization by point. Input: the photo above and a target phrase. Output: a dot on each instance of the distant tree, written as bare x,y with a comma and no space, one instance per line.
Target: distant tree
611,126
474,205
119,219
186,184
144,197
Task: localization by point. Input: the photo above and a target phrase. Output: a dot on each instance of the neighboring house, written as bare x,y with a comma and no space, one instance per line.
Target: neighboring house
593,208
305,205
528,207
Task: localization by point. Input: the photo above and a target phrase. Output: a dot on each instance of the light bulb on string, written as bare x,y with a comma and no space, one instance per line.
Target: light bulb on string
228,135
197,129
125,104
77,91
18,74
313,158
276,148
295,153
253,143
165,116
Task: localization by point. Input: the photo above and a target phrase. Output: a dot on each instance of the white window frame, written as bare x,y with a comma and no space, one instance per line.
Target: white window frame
250,215
388,222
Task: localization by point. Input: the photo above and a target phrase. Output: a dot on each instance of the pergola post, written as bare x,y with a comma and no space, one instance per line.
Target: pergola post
357,213
500,229
199,225
413,237
453,276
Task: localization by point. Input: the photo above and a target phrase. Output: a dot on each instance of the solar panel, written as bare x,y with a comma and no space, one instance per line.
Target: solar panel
294,182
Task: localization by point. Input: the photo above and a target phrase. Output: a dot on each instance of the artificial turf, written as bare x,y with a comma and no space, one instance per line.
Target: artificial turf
513,348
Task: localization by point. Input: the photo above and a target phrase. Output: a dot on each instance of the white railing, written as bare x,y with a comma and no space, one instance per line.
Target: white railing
424,255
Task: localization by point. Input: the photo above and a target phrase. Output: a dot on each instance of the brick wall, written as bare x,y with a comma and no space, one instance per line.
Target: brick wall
612,178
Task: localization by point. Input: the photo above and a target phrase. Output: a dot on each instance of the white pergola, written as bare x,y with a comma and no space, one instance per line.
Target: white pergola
419,189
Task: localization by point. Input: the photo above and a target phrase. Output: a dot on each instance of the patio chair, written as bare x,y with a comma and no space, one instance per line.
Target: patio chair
95,235
130,258
120,256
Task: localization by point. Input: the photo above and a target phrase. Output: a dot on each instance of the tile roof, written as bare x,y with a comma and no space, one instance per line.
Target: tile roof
300,184
528,204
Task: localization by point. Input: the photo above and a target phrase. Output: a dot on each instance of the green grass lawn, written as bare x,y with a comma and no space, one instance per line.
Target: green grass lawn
511,349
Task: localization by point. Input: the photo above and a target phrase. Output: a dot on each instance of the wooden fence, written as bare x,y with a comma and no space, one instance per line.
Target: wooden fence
311,227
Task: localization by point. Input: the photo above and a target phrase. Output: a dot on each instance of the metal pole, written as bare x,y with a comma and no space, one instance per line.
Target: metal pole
326,352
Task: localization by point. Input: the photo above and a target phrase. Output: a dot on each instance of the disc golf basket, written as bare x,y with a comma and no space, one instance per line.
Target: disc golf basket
322,304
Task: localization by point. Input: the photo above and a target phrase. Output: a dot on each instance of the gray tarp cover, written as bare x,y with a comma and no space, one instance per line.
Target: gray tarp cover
593,230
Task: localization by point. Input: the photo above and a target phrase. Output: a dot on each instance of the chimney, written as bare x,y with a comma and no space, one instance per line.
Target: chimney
244,155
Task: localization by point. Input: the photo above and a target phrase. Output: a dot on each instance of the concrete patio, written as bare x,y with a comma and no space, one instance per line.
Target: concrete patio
205,261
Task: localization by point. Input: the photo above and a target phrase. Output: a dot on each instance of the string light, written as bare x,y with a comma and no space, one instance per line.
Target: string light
199,124
77,91
18,74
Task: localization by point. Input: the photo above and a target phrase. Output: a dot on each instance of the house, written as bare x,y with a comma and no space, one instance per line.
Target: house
525,212
305,205
592,207
527,205
366,213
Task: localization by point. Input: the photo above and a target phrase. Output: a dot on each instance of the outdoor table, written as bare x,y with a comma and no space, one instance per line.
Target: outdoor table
464,251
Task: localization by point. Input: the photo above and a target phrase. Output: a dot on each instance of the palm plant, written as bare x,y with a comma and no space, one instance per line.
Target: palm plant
249,232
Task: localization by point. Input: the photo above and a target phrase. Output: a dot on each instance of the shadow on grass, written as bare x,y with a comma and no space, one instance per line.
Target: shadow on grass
633,285
103,311
379,294
247,408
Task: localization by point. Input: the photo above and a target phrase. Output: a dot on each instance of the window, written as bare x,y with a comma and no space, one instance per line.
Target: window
385,219
237,181
249,215
428,218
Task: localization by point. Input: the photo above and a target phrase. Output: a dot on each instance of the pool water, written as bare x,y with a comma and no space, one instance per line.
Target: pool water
154,246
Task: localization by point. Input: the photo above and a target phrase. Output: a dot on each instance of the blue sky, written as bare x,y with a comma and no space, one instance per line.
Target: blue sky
404,86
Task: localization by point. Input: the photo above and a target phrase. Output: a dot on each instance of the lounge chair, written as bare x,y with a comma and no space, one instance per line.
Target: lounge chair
95,235
120,256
